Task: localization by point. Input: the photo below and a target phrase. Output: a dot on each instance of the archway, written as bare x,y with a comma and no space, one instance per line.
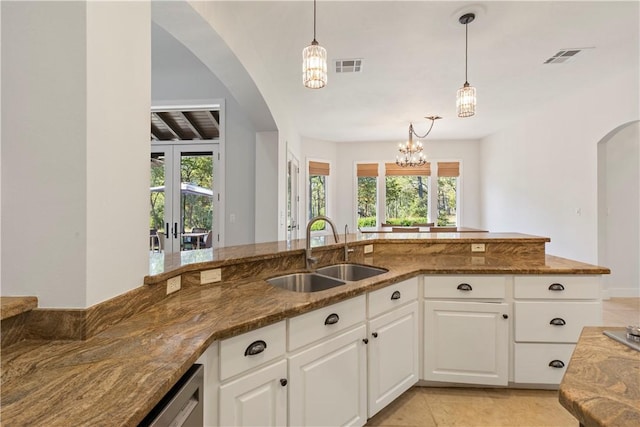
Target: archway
619,209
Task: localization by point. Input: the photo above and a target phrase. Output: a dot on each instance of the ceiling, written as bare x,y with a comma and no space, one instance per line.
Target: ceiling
413,60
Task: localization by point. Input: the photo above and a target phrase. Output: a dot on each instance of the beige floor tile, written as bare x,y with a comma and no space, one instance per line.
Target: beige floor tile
410,409
621,311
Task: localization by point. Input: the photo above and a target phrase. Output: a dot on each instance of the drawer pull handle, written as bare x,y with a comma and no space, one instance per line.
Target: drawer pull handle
283,382
365,340
375,335
556,364
557,321
464,287
331,319
255,347
395,295
556,287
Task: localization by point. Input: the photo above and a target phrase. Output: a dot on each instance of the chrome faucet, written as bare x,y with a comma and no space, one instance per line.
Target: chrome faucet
311,261
347,251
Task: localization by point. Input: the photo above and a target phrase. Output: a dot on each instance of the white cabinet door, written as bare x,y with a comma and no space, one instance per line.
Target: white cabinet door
328,382
256,399
393,355
466,342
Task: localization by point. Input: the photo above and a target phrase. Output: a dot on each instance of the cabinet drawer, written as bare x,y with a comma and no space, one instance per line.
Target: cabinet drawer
392,296
325,321
541,363
557,287
454,287
534,320
235,353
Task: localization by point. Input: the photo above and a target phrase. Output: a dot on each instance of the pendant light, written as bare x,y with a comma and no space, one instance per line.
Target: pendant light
314,61
466,99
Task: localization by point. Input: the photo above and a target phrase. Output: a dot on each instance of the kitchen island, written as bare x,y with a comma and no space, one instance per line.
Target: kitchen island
602,384
117,375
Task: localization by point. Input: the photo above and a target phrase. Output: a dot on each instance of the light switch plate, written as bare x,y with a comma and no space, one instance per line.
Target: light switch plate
477,247
368,249
210,276
173,285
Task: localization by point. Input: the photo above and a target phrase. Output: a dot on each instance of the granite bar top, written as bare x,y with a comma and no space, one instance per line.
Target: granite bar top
601,386
12,306
118,375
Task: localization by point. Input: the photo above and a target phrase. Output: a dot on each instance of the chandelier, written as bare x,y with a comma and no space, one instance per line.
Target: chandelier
411,154
466,97
314,61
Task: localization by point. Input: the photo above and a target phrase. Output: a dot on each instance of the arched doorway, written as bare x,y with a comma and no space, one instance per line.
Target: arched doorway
619,210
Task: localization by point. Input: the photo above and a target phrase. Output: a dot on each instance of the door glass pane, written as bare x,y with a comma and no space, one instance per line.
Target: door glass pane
196,200
157,202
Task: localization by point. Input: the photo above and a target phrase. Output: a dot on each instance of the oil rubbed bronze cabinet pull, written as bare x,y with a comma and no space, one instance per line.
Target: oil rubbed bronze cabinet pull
556,287
365,340
331,319
556,364
557,321
464,287
395,295
283,382
375,335
255,347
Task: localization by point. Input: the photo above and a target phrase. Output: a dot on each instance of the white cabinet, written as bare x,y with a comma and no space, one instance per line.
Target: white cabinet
253,376
328,382
393,342
466,330
550,312
393,355
256,399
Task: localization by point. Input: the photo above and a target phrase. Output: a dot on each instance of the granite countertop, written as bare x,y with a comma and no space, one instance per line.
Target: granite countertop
601,386
118,375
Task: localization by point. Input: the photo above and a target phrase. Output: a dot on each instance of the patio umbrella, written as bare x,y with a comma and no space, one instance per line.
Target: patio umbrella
187,188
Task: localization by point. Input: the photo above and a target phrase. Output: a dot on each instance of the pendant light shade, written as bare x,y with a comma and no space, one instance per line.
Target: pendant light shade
314,61
466,97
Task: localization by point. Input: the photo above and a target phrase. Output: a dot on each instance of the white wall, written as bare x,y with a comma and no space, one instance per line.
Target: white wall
539,176
177,75
74,183
342,196
619,208
266,158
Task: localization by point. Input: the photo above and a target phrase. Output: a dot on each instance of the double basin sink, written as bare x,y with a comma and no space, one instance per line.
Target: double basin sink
325,277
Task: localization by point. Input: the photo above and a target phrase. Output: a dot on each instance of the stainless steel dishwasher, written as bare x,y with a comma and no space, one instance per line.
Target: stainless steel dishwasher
182,406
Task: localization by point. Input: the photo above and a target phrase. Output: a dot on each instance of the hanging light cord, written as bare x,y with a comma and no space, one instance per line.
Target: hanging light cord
466,50
314,22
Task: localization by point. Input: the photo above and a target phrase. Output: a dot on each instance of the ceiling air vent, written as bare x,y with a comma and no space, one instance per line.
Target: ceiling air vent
563,56
348,65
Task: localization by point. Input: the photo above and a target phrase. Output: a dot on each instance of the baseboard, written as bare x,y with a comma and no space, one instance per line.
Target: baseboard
624,292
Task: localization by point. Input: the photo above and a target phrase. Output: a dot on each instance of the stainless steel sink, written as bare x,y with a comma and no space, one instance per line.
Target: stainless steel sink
305,282
350,272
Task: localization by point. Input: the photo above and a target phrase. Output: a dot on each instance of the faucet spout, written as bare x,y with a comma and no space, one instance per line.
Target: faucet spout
347,251
311,261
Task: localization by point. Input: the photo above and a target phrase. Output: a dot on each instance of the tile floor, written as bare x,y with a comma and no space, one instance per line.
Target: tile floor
475,407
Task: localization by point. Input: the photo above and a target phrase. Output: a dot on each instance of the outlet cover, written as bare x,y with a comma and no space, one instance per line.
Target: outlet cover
368,249
210,276
477,247
173,285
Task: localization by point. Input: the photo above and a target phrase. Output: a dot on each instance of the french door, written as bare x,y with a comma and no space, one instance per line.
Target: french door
183,197
293,197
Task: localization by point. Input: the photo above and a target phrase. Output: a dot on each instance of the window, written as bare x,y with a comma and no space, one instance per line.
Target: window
318,174
448,173
407,194
367,194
